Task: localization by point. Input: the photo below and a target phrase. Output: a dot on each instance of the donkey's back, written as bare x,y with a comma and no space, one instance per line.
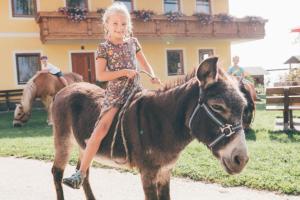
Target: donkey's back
74,103
76,110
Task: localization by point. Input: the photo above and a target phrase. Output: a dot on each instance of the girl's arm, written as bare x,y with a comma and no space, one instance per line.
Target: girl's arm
146,66
103,75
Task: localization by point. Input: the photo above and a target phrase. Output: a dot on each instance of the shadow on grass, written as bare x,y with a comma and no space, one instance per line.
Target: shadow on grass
285,137
250,134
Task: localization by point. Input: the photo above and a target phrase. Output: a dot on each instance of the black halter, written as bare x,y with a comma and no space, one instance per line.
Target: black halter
22,116
226,130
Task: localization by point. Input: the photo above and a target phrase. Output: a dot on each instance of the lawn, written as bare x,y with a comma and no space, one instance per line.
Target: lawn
274,156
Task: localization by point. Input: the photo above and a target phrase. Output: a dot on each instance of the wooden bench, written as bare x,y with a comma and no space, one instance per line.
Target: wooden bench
9,98
286,99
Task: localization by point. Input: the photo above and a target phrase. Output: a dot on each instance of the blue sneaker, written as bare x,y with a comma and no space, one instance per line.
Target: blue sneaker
75,181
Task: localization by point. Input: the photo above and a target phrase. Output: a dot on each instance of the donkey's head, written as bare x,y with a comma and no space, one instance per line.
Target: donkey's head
217,118
20,116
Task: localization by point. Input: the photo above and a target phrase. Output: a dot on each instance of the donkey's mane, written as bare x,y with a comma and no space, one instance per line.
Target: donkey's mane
177,82
29,93
181,80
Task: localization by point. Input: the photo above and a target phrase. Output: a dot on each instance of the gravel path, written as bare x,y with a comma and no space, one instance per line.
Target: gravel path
23,179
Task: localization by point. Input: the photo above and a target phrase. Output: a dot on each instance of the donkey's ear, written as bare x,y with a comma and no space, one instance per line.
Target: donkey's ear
207,72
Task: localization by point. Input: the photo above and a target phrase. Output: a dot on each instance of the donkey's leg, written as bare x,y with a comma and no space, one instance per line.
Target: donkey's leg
47,102
163,184
63,146
150,184
50,120
86,183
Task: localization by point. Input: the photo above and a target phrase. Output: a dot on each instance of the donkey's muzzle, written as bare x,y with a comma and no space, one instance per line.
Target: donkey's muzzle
239,161
236,163
17,124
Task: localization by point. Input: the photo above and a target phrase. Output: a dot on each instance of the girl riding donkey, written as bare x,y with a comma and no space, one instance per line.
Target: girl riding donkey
118,54
49,68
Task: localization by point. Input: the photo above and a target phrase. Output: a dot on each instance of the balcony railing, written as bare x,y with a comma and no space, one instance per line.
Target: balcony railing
56,26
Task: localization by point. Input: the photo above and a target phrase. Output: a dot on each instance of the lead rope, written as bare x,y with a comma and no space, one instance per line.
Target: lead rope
121,119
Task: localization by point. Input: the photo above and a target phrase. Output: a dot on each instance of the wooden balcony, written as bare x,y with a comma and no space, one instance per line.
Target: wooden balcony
55,26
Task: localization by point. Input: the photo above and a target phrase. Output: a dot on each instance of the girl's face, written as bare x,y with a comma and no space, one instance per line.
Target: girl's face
117,26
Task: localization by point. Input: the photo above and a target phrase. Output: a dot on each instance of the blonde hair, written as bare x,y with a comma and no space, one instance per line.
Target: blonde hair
117,8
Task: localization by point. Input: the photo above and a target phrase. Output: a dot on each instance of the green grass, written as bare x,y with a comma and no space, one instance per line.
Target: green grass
274,156
33,140
274,159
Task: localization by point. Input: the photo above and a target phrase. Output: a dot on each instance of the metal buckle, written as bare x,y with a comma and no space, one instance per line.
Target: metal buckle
227,130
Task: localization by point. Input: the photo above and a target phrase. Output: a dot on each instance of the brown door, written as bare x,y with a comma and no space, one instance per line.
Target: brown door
84,64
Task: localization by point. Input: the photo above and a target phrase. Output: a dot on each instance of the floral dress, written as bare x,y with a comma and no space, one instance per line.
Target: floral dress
118,56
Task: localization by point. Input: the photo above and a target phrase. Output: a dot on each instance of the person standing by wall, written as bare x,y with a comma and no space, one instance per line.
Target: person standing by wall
236,70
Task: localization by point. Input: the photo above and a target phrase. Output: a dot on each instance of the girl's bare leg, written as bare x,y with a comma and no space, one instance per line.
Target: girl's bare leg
100,131
63,80
97,136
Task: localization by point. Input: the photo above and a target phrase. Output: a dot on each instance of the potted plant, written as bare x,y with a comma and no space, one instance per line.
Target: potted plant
143,15
223,18
74,14
100,11
204,18
254,20
224,26
173,16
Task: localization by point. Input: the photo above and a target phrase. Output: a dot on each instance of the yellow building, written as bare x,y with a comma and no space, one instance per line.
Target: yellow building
31,28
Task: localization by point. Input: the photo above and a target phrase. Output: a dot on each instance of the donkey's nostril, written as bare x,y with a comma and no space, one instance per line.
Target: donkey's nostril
240,160
237,160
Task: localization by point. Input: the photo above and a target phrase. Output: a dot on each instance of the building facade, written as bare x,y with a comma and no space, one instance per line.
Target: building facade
173,43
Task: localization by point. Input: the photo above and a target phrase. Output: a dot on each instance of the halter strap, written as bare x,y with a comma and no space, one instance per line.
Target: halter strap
226,129
22,116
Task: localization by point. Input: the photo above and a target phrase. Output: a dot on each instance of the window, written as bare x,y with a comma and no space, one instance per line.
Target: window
171,6
128,4
77,3
24,8
27,65
205,53
203,6
175,62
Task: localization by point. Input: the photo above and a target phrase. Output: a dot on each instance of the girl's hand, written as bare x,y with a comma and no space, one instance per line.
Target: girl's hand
155,80
129,73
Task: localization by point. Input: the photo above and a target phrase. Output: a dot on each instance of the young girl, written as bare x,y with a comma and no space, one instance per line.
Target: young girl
49,68
115,63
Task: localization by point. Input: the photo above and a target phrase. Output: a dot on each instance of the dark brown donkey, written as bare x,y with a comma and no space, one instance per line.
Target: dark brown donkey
249,92
206,105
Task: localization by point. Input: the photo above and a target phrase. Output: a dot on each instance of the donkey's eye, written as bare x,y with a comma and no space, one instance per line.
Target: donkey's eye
217,108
